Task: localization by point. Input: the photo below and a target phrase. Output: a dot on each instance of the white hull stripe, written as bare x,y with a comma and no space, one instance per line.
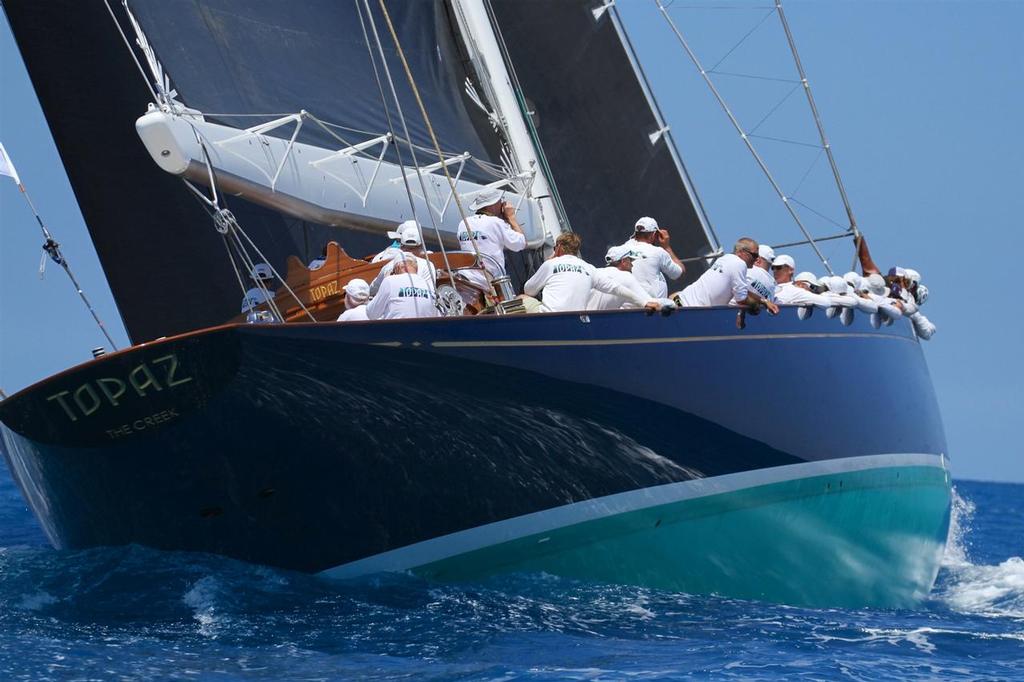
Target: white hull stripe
454,544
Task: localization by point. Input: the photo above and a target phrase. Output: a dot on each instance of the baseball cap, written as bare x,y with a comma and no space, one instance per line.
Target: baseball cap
358,289
485,198
838,285
617,253
408,233
853,279
875,284
781,259
766,252
897,271
913,275
806,277
646,224
262,271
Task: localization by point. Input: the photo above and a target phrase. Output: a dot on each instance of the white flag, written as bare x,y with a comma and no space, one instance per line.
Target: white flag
6,167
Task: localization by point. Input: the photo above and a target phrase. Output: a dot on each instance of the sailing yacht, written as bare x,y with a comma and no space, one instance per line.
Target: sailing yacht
204,137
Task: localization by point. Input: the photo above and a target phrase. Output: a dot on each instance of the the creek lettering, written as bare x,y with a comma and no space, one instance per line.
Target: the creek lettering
155,375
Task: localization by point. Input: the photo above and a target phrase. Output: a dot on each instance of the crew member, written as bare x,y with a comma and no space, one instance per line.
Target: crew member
798,291
403,294
726,280
759,277
783,269
263,276
357,295
619,269
491,230
410,244
566,280
654,259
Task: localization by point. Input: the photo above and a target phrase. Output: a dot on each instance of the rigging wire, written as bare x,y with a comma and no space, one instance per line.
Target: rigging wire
405,128
52,249
743,39
743,135
142,71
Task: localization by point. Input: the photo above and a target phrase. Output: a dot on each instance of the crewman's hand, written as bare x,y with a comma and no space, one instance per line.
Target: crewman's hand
663,237
652,306
772,308
508,210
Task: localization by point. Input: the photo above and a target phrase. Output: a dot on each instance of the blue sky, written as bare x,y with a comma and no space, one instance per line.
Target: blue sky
922,102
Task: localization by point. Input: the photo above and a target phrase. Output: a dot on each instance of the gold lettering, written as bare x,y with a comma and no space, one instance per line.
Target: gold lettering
87,409
59,397
112,396
150,380
172,367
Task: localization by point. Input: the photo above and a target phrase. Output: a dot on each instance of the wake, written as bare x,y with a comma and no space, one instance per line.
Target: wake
985,590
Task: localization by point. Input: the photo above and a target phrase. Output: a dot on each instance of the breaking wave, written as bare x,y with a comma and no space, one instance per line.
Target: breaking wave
993,590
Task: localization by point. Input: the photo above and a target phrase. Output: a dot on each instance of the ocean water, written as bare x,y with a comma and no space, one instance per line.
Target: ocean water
133,613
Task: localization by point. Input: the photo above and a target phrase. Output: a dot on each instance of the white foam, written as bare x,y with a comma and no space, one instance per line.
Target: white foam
34,602
201,598
996,591
961,515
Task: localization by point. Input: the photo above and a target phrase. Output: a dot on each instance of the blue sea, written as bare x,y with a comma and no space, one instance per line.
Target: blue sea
132,613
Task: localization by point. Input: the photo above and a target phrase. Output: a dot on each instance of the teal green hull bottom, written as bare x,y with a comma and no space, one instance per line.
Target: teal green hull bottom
872,537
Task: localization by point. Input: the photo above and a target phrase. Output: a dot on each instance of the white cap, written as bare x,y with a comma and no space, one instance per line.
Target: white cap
913,275
783,259
854,280
617,253
484,198
646,224
922,294
806,277
875,284
838,285
358,289
262,271
766,252
407,234
823,280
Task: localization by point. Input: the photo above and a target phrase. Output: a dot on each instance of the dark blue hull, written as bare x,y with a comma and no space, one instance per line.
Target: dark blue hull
314,446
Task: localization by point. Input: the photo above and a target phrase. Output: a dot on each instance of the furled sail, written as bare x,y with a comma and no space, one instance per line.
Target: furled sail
606,144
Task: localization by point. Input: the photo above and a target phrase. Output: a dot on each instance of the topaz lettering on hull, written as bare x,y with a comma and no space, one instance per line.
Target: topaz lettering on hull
323,291
154,375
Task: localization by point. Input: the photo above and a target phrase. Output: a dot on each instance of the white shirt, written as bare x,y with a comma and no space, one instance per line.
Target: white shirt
567,281
599,300
387,254
886,305
788,293
761,281
354,314
651,265
423,266
724,281
402,296
492,236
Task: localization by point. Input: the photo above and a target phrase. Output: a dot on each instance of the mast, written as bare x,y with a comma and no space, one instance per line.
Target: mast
485,51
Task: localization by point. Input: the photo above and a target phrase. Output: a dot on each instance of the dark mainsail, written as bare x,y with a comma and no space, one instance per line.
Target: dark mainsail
166,266
594,121
165,263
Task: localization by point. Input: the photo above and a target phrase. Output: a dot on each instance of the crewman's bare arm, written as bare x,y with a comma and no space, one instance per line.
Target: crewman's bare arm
867,265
